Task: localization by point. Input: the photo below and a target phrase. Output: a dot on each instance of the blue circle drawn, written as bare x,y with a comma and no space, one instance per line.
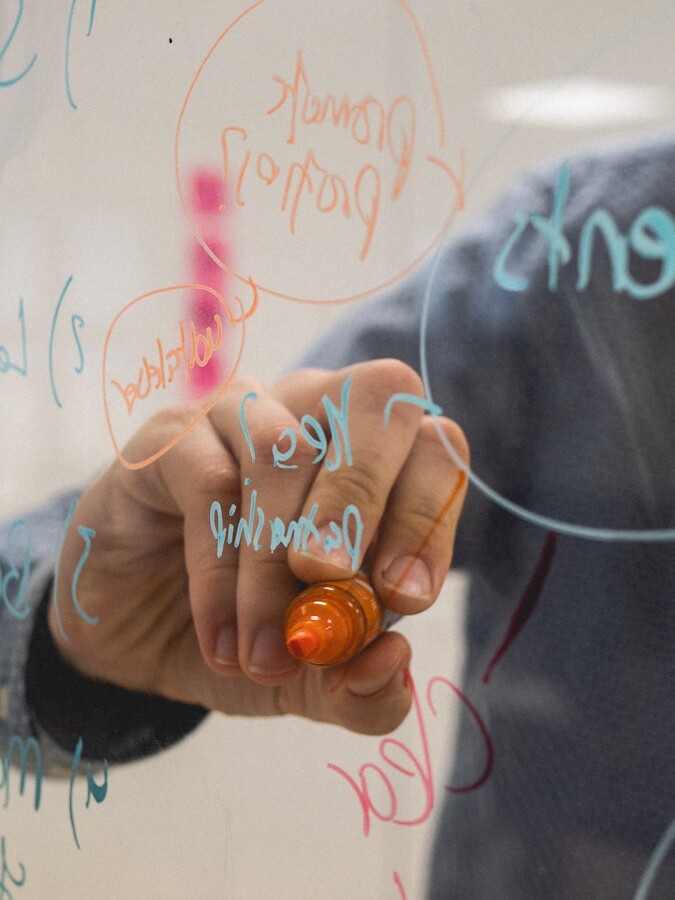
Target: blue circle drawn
664,12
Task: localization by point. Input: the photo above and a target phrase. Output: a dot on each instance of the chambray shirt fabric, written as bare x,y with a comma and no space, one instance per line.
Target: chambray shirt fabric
565,388
28,549
566,391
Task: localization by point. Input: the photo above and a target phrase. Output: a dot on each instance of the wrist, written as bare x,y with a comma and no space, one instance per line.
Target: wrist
113,722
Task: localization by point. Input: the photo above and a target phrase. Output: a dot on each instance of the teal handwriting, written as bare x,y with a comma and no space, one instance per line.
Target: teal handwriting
422,403
6,362
10,82
251,529
15,360
19,753
14,580
22,72
23,757
312,432
650,237
69,32
7,877
76,320
86,534
98,791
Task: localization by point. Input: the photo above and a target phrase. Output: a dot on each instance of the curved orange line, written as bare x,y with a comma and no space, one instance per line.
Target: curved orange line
176,287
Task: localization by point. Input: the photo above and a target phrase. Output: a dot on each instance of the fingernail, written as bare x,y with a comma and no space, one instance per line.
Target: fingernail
226,652
269,655
409,575
324,546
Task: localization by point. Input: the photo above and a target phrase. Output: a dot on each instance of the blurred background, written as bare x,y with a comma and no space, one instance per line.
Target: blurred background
101,203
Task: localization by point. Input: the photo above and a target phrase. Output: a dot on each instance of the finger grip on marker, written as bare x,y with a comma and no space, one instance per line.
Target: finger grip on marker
330,622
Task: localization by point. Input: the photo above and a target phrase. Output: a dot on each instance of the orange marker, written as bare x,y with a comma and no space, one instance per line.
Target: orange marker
332,621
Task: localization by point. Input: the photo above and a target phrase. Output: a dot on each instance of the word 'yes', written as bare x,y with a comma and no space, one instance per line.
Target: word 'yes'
313,433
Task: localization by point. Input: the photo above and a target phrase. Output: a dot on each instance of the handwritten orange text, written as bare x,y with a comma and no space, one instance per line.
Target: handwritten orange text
195,349
331,192
368,121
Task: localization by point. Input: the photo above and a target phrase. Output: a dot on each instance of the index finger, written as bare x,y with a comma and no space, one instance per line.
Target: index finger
367,453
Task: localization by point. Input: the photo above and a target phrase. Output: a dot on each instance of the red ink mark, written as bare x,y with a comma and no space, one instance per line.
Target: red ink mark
489,751
399,885
380,799
207,199
527,603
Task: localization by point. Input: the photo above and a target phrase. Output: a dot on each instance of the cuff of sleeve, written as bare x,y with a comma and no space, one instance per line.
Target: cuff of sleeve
113,723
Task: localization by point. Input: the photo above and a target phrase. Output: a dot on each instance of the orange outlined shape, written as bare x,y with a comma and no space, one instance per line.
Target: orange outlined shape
295,197
145,372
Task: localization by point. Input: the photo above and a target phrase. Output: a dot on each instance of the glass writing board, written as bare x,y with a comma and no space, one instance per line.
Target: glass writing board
195,192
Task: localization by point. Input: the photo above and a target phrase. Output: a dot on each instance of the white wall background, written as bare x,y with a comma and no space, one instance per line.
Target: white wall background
244,809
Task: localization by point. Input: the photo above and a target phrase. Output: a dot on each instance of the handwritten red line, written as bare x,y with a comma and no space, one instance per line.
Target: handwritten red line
482,727
527,602
399,885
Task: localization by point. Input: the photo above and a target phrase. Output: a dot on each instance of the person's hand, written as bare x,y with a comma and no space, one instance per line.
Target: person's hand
162,612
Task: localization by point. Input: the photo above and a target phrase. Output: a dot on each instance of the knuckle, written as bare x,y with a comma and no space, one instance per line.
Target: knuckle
419,517
216,478
392,376
355,485
458,439
245,384
425,524
402,378
170,419
297,378
304,455
428,435
270,433
277,442
376,715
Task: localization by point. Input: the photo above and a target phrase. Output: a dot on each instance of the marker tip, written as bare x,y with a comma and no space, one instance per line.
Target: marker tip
303,642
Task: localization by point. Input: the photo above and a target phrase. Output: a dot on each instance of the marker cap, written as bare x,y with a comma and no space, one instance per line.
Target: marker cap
330,622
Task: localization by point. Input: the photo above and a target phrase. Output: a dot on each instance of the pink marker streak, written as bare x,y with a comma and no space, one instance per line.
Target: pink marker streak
207,201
